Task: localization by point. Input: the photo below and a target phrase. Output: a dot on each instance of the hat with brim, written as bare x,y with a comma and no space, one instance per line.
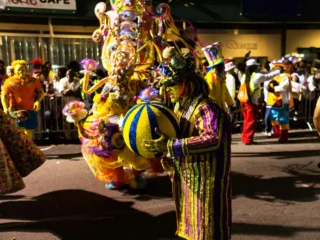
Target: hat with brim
229,66
213,54
252,62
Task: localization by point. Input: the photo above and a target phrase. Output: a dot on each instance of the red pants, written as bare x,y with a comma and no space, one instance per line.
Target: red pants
250,113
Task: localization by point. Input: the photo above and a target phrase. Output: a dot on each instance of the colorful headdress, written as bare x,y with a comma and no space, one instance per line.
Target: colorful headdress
284,63
179,67
287,61
213,54
294,57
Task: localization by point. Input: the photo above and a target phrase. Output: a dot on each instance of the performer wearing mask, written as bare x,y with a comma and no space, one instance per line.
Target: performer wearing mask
280,99
18,97
199,157
253,80
316,116
216,77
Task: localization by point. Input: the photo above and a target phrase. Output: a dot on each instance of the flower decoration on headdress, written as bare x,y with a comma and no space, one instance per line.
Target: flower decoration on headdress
74,111
178,68
89,64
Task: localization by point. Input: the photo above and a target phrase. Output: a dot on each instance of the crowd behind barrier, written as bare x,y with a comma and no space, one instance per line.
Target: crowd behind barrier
51,121
54,123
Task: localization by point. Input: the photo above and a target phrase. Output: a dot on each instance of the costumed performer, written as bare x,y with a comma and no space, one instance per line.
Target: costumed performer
216,76
19,156
199,157
252,79
280,99
18,96
316,116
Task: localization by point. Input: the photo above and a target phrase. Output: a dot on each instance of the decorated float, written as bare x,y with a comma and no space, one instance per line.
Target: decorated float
127,109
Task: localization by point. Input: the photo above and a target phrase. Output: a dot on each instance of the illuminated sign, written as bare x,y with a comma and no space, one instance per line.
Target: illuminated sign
41,5
232,44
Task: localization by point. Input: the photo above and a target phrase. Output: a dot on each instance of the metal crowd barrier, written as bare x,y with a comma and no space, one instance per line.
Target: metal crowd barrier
52,121
303,113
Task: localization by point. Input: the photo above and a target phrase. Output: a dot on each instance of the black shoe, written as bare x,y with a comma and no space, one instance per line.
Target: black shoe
251,143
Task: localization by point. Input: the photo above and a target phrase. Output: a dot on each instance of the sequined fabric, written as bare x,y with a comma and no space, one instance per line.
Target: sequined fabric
201,182
19,155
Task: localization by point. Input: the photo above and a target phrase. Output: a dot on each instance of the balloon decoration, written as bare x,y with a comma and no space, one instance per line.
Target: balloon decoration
140,123
134,37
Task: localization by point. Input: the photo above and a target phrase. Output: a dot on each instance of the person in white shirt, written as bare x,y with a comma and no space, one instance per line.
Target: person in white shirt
299,76
230,80
58,83
314,81
253,80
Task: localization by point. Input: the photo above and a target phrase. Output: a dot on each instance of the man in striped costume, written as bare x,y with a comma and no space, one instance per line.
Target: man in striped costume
200,156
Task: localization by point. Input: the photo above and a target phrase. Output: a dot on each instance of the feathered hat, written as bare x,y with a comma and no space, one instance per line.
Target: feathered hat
178,68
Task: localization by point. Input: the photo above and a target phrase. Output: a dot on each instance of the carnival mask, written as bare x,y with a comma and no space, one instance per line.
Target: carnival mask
20,71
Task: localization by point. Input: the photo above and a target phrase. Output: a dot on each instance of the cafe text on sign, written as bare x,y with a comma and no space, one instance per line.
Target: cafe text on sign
232,44
42,4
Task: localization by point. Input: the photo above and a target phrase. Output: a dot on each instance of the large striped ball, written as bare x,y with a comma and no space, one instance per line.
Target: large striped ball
140,123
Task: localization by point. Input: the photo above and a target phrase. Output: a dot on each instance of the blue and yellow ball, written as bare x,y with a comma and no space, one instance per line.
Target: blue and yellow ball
140,123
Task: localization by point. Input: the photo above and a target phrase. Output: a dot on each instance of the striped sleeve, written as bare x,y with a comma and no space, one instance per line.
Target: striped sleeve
208,123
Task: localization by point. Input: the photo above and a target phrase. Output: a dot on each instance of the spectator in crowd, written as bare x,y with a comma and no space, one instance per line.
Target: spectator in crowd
9,73
2,72
58,83
316,116
314,81
58,87
72,85
253,80
36,65
299,76
75,66
46,79
88,98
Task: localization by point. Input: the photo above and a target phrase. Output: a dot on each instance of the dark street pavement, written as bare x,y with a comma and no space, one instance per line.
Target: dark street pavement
276,189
